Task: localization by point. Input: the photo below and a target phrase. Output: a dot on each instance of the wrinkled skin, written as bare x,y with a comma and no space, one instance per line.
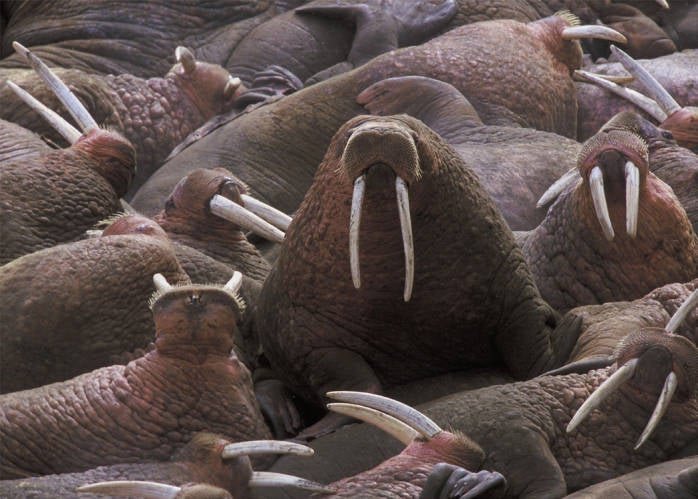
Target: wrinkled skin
18,143
285,140
145,410
55,197
319,332
198,461
72,308
575,264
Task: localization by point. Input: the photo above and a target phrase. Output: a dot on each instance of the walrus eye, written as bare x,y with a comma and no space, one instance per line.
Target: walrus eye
666,134
169,205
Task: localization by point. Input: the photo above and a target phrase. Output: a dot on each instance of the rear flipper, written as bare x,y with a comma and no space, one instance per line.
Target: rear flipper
447,481
274,81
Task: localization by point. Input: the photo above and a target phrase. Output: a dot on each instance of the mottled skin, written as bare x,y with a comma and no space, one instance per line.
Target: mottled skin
17,142
275,148
575,264
72,308
55,197
145,410
198,461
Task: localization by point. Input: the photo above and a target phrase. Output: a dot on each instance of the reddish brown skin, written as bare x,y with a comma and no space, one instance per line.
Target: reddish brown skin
646,39
145,410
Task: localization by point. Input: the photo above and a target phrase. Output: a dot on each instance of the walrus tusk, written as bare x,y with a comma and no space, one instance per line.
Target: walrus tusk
161,283
599,197
403,204
67,131
186,58
607,388
254,447
686,307
234,283
68,98
357,201
138,488
403,412
632,197
668,390
390,425
654,88
645,103
558,187
273,479
269,213
233,212
593,31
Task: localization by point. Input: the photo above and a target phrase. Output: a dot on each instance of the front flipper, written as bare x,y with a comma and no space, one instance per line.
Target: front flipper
447,481
272,82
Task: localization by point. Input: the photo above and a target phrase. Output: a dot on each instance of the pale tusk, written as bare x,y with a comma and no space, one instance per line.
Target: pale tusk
632,197
161,283
272,479
403,204
607,388
654,88
663,4
558,187
670,385
68,98
634,97
254,447
599,32
138,488
357,201
392,426
67,131
403,412
686,307
269,213
621,80
186,58
233,212
126,207
599,197
234,283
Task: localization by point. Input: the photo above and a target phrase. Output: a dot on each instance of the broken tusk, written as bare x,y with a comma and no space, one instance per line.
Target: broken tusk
138,488
254,447
632,197
403,204
239,215
275,217
686,307
598,196
186,58
161,283
390,425
357,200
234,283
272,479
668,390
599,32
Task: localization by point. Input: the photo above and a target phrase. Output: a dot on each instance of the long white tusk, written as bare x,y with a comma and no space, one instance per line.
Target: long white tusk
68,98
357,201
234,283
645,103
670,385
686,307
663,4
269,213
623,374
598,195
632,197
161,283
271,479
138,488
403,412
654,88
558,187
593,31
253,447
392,426
403,205
67,131
233,212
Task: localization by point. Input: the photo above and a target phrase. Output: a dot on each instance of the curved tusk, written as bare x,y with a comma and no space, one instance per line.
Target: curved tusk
686,307
593,31
670,385
138,488
269,213
271,479
632,197
254,447
403,412
234,283
233,212
634,97
357,201
68,98
67,131
161,283
604,391
598,195
558,187
403,204
392,426
654,88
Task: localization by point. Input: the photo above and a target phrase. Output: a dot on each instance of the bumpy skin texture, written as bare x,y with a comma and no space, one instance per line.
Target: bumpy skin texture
272,142
18,143
55,197
145,410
